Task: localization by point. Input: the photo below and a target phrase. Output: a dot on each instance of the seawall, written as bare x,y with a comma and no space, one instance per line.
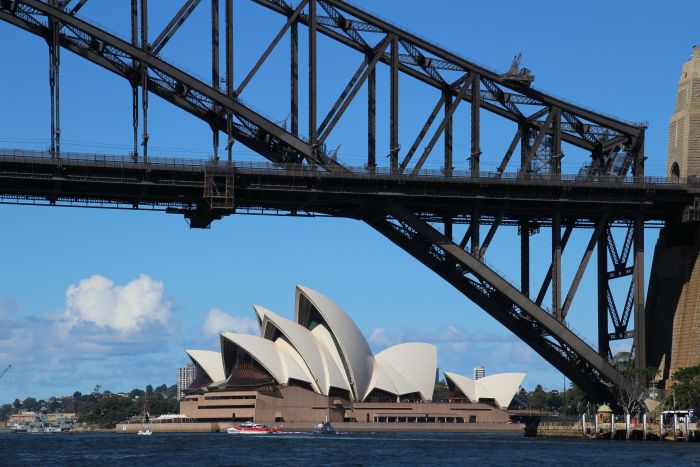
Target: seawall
339,426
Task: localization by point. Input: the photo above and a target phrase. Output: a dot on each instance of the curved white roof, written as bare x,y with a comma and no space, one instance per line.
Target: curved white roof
210,362
323,369
501,387
464,384
278,360
352,345
294,364
415,363
260,314
381,379
337,377
263,351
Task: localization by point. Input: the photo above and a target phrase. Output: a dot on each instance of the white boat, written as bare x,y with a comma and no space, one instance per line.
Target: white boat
144,431
325,428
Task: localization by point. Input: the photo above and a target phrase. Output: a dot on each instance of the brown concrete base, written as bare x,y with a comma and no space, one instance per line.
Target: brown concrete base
291,427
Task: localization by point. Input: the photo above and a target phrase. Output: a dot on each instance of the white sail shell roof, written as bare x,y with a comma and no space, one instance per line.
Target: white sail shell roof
464,384
412,366
500,387
273,358
353,347
209,361
323,369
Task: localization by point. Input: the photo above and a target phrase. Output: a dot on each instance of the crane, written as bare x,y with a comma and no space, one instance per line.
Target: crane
5,371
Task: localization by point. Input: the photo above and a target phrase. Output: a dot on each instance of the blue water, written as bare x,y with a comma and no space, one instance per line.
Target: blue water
213,449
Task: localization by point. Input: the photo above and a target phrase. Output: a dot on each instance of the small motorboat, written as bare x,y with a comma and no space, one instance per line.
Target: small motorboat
144,432
325,428
251,428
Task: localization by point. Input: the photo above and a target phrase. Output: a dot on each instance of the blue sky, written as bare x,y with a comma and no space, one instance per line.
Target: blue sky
113,297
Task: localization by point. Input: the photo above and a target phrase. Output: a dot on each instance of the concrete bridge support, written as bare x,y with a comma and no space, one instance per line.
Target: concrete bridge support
673,302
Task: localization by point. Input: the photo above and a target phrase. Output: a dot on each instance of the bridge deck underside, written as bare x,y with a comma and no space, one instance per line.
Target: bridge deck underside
172,183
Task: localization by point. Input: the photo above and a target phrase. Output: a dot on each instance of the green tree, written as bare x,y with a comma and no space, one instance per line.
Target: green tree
553,400
5,411
686,388
538,398
630,397
31,404
441,391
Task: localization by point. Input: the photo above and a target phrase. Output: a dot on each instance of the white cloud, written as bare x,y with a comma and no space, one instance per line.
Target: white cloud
218,321
125,328
125,309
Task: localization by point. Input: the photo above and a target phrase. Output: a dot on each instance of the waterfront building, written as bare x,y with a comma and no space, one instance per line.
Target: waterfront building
320,365
479,372
185,376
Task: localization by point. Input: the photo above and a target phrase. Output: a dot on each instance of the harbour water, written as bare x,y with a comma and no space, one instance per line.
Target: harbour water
217,449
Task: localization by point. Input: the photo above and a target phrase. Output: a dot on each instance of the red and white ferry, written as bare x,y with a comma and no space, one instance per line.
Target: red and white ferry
250,428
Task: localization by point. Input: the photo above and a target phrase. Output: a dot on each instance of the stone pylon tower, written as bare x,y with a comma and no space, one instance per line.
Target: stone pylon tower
673,300
684,129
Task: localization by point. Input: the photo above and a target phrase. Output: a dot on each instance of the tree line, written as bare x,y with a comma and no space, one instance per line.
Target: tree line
102,409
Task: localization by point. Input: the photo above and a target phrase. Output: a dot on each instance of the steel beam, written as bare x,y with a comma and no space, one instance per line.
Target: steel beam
639,305
569,137
489,235
595,236
171,28
548,276
603,338
350,91
54,82
312,77
475,155
447,166
372,120
555,164
394,106
144,78
556,266
495,295
229,76
423,132
215,70
509,153
291,20
527,156
441,127
294,78
525,257
134,80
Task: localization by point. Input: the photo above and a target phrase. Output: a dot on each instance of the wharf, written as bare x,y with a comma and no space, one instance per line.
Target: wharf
620,431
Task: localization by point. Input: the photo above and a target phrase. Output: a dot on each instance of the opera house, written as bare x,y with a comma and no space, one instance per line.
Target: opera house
320,365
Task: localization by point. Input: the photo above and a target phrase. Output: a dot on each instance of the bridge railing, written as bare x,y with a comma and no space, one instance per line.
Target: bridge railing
185,164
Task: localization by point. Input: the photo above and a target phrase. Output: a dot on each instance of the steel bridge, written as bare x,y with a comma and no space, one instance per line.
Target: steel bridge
419,210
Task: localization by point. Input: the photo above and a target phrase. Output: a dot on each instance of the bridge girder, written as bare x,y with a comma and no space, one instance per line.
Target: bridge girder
615,147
